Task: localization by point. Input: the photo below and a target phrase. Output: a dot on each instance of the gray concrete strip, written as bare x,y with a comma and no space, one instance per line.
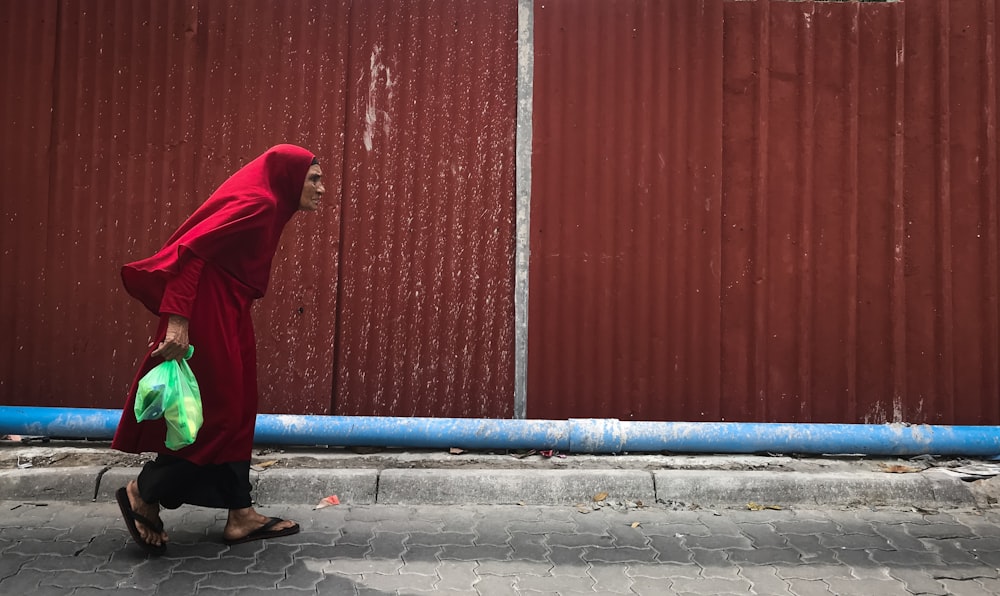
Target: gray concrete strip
309,486
505,487
112,480
728,488
279,486
50,484
932,489
949,489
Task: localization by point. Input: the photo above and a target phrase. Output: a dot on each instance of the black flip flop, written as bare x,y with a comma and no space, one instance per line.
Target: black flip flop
265,532
130,517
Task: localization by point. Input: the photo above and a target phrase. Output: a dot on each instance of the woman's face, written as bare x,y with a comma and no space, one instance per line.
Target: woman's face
312,190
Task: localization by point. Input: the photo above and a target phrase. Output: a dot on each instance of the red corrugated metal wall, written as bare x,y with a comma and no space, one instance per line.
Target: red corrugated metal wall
950,216
26,173
176,99
427,301
849,271
156,103
624,317
739,211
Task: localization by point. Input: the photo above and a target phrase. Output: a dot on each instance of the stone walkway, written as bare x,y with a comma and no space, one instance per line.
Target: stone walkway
83,549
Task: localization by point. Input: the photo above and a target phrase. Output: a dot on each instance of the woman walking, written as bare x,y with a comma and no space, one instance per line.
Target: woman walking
201,285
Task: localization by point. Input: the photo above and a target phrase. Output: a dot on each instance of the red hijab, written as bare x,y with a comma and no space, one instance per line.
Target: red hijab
237,228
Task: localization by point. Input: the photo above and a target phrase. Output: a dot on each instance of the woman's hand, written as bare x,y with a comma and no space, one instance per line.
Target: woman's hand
175,345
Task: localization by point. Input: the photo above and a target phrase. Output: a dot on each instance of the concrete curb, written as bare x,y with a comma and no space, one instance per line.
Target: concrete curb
509,487
289,487
307,487
932,490
50,484
704,488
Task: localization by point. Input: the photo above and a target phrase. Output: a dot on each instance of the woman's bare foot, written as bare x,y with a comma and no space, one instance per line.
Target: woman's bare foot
150,511
242,522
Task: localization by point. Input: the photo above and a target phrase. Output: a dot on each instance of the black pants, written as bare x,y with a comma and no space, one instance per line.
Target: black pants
172,482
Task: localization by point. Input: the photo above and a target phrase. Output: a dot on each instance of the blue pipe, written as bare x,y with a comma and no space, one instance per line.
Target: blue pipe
569,436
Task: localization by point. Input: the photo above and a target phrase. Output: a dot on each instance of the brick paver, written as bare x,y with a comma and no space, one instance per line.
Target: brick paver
57,548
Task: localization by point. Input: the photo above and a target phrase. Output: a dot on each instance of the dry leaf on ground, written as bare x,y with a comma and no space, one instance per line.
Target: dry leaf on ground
758,507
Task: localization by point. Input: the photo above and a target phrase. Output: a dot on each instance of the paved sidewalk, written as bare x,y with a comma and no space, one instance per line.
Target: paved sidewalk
58,548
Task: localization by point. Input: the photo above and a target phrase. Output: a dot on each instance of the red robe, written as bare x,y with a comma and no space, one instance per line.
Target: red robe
210,271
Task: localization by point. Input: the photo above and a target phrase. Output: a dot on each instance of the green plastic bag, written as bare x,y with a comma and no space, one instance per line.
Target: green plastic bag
170,391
